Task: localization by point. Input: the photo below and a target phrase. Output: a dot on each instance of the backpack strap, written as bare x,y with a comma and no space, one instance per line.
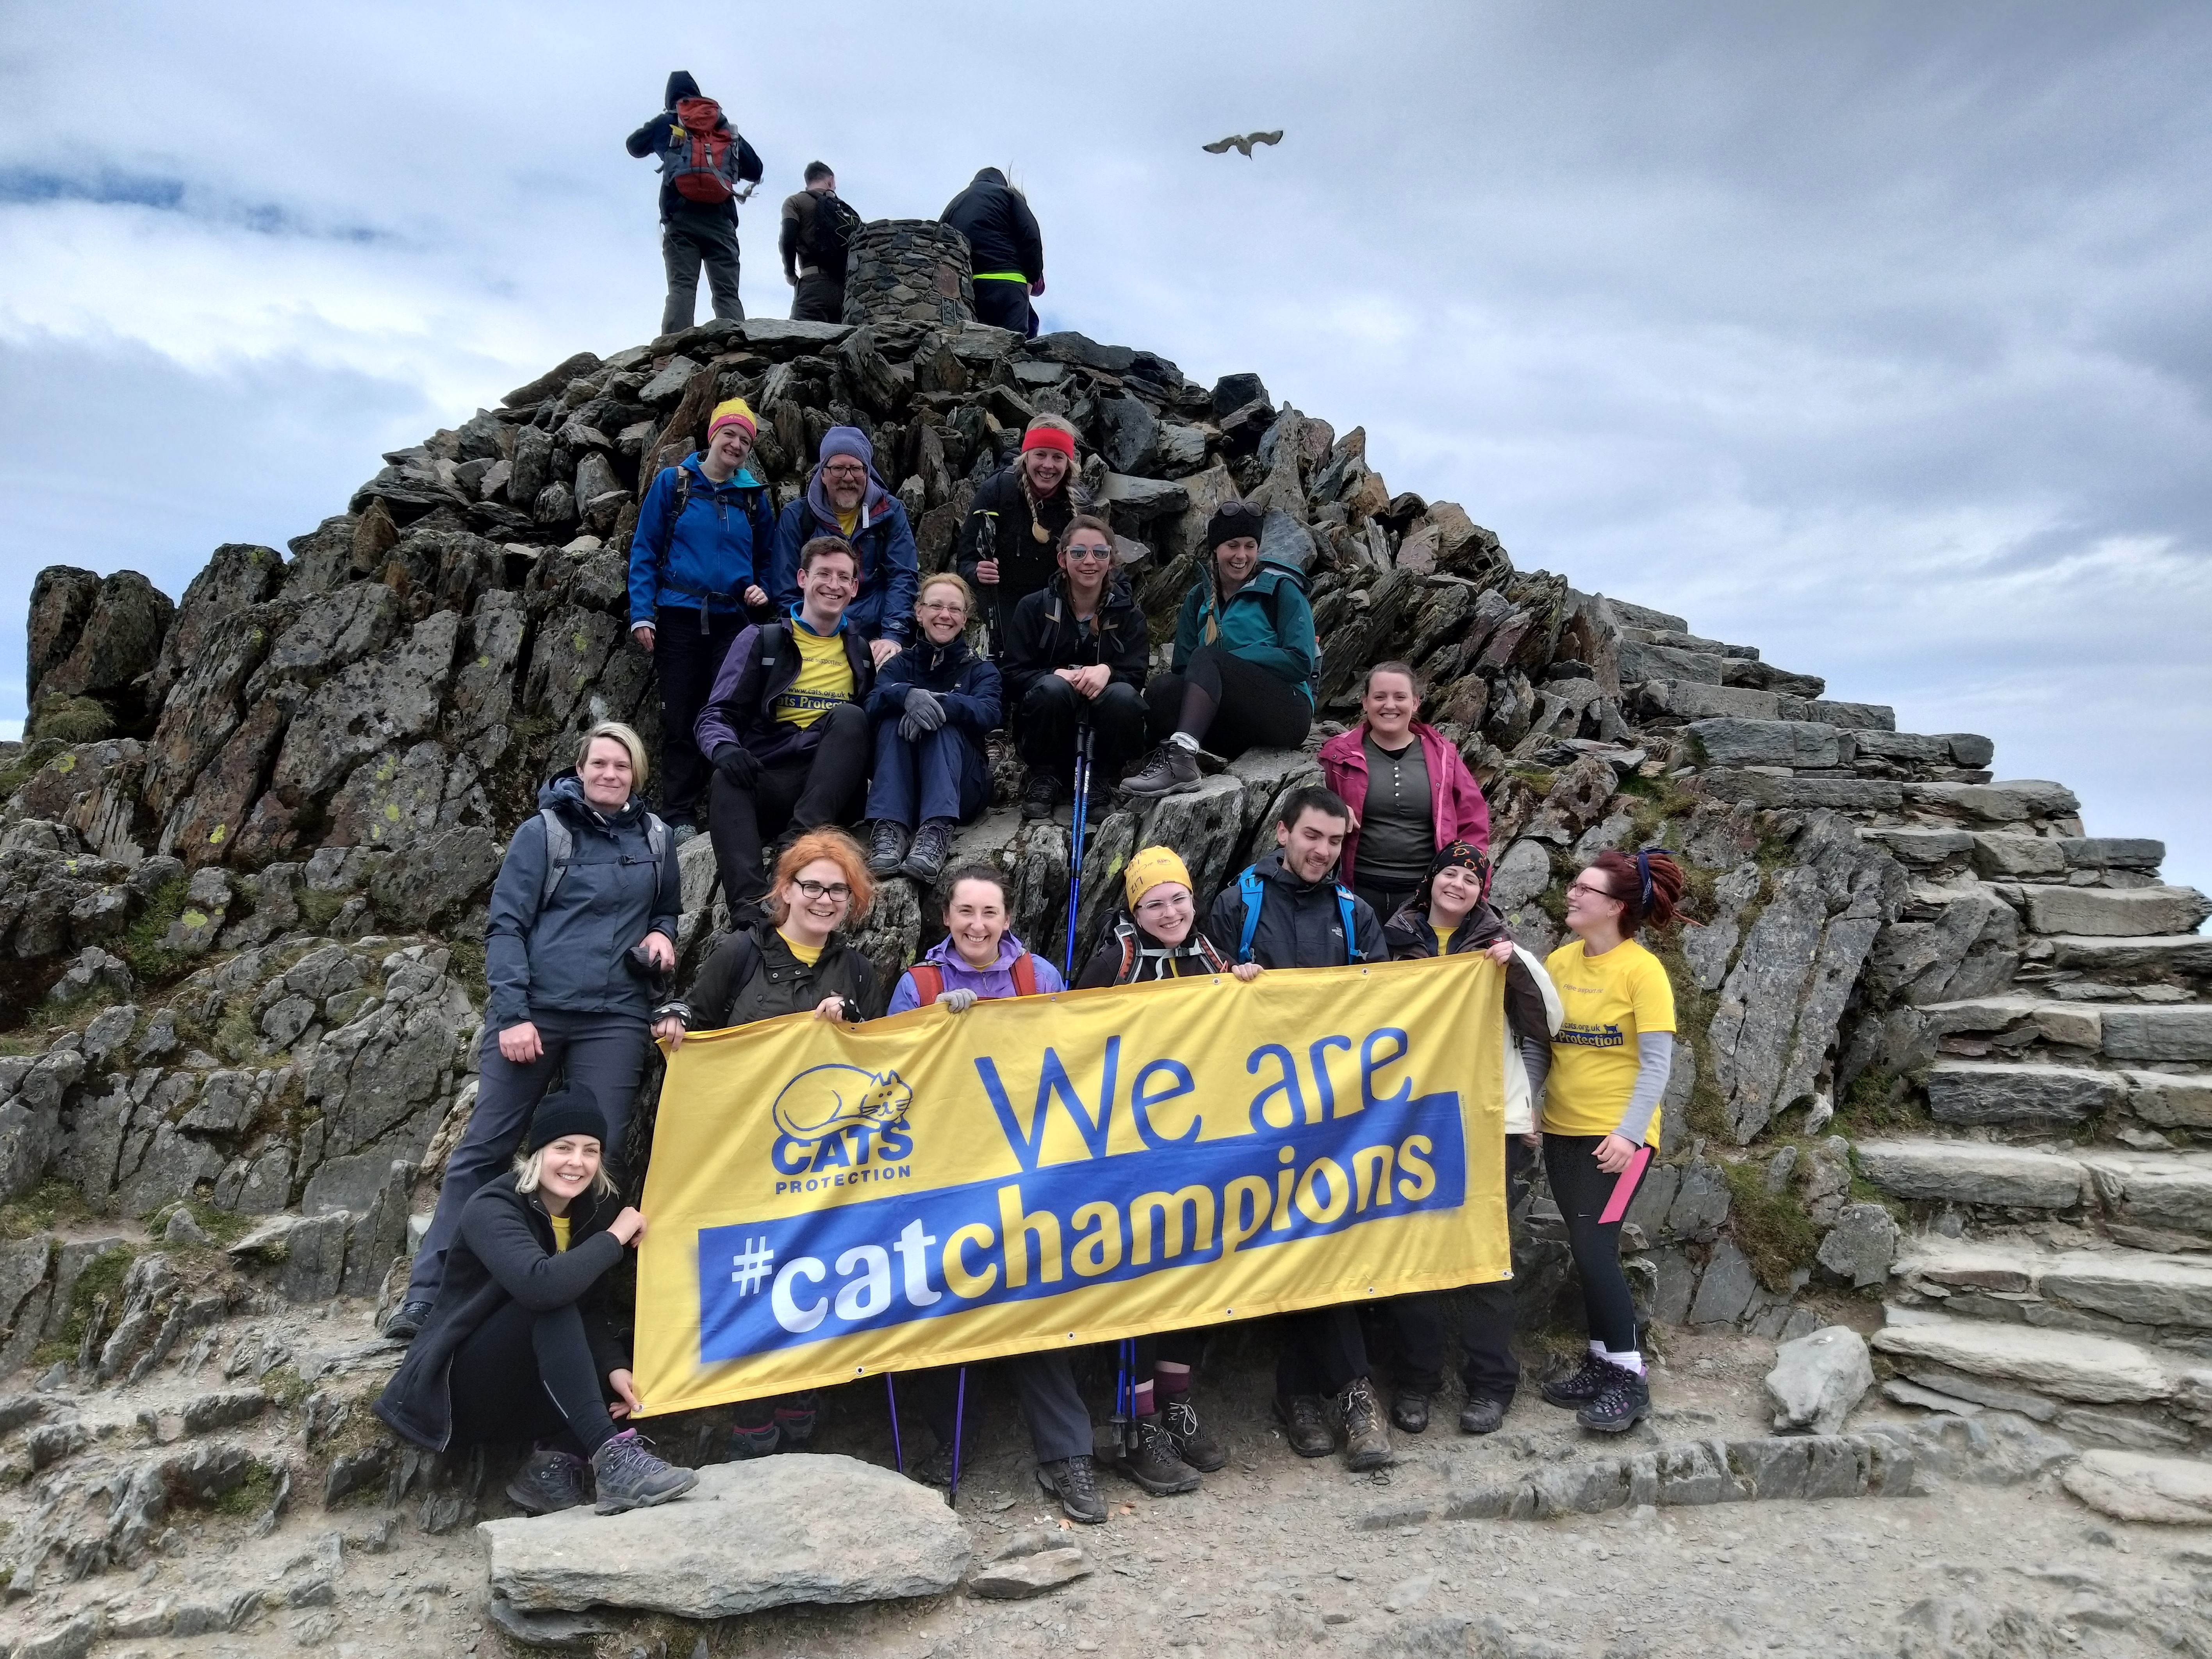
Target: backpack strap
1253,890
656,838
1351,952
560,849
1210,954
928,982
1025,971
1128,956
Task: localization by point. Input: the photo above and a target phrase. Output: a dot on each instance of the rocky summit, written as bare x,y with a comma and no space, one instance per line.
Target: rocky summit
1925,1252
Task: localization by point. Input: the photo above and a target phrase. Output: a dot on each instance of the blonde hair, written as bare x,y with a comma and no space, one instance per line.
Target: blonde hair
947,579
632,743
530,1171
842,850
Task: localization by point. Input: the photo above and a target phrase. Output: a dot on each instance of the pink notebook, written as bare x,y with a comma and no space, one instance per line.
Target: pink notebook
1625,1188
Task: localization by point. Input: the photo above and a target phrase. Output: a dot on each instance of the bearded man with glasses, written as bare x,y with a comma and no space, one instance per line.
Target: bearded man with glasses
844,498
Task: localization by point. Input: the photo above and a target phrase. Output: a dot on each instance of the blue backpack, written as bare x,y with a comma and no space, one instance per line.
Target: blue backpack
1253,890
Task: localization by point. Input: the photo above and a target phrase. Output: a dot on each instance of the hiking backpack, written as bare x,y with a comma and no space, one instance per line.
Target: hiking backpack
1253,890
702,161
561,850
1206,953
831,236
929,979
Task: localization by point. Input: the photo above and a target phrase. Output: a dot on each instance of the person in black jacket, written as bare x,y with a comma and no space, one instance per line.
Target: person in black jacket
934,705
1454,915
814,244
1016,519
1076,654
786,728
1296,914
694,229
519,1345
1006,249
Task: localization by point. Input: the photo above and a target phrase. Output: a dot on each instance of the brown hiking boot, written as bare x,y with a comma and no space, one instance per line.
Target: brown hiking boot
1366,1434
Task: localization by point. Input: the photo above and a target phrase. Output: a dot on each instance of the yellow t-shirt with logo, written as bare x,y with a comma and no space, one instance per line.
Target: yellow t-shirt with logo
825,678
1609,1001
559,1233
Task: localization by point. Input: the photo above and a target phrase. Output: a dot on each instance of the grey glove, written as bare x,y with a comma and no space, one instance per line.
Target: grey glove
925,708
959,1000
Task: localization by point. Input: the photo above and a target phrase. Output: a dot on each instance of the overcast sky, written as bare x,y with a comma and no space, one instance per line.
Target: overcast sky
1873,336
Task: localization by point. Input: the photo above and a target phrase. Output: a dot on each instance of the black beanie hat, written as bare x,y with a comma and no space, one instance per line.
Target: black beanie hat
1232,520
572,1110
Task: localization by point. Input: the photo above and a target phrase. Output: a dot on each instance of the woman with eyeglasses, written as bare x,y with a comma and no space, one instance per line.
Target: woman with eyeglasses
1609,1065
1019,516
796,961
1075,655
934,705
1160,939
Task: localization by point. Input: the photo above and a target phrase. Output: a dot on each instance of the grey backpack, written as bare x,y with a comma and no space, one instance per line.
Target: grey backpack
561,849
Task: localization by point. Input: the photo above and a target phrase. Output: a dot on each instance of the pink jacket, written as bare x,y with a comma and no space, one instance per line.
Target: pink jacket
1461,814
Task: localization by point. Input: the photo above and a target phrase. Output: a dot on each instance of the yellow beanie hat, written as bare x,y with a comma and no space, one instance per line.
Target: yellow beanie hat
734,409
1150,867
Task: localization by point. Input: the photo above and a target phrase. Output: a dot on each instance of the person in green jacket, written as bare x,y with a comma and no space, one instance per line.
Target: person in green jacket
1244,665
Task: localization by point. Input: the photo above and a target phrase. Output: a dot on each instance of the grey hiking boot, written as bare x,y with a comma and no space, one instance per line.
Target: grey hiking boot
1192,1442
628,1477
887,845
406,1320
754,1440
1170,769
1367,1436
1305,1425
1623,1401
933,844
1481,1416
550,1481
1151,1461
1040,792
1074,1482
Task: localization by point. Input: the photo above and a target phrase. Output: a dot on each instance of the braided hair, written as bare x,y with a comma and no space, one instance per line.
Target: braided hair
1647,884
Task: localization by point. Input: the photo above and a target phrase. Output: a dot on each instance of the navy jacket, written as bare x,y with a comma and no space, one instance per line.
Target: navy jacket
1042,634
890,567
721,545
1301,924
968,684
1002,233
572,954
761,665
663,132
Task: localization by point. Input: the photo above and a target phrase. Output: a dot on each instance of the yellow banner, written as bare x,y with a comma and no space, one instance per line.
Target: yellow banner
826,1203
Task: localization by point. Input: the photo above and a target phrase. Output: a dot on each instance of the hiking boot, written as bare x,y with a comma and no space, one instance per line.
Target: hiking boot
1622,1402
1579,1389
1151,1461
1305,1425
628,1477
550,1481
1074,1482
680,833
1170,769
887,845
1410,1411
1192,1442
936,1469
1367,1436
753,1440
1040,792
1481,1416
933,844
406,1320
794,1419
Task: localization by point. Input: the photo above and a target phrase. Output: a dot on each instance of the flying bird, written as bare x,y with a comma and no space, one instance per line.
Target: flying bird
1242,142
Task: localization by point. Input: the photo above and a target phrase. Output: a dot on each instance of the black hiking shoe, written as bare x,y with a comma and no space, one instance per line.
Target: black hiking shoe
1075,1483
887,845
406,1320
1623,1402
749,1440
794,1419
1192,1442
628,1477
1481,1416
1570,1393
1367,1436
550,1481
1410,1411
1151,1461
1040,792
1305,1425
933,844
1170,769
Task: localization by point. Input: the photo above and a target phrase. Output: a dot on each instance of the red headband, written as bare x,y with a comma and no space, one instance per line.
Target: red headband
1049,437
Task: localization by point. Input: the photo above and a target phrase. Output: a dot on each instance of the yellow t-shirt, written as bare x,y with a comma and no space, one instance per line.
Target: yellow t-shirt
559,1233
808,955
1610,1000
825,678
1443,939
849,522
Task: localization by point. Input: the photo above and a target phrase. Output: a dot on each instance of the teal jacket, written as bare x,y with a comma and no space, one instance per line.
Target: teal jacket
1266,622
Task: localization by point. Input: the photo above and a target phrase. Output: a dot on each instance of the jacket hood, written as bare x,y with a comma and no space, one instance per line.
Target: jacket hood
680,85
564,793
945,954
988,176
931,658
874,504
741,479
1483,925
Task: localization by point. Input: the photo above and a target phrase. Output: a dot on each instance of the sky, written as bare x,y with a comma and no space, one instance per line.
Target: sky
1874,335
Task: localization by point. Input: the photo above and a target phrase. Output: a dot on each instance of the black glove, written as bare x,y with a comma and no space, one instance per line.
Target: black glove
735,762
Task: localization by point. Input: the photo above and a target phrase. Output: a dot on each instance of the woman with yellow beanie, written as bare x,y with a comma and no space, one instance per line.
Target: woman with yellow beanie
1157,940
697,560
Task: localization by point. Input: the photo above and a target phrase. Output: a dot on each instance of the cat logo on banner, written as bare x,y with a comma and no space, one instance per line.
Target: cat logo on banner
829,1202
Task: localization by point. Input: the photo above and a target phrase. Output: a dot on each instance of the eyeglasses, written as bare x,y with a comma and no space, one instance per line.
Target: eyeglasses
1585,888
1080,555
811,890
844,470
1159,907
949,607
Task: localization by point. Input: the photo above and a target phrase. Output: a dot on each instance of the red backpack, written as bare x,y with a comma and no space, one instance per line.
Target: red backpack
929,978
703,162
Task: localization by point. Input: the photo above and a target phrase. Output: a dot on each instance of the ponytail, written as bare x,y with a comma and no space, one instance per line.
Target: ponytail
1647,884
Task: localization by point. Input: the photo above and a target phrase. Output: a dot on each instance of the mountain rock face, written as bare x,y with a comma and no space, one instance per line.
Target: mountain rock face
246,848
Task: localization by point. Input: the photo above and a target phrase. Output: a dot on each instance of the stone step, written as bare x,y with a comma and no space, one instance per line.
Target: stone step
2160,959
2001,854
2155,1200
2106,912
2025,1095
2160,1032
2019,800
2169,1298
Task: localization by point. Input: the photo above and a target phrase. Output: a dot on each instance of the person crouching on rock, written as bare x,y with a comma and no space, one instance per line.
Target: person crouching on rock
934,705
1452,917
518,1346
583,922
1159,939
1020,514
978,960
797,962
1609,1067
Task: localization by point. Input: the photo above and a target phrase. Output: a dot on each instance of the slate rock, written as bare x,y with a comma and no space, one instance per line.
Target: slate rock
1818,1379
1025,1576
1861,1245
2131,1486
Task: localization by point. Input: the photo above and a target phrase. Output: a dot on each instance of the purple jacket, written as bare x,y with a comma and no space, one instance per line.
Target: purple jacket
996,980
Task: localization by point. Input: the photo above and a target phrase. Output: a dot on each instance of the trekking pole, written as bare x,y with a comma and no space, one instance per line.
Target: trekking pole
998,588
959,1416
898,1455
1079,822
1125,1394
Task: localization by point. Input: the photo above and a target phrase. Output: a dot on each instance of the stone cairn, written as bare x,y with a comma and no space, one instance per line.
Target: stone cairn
912,271
1939,1045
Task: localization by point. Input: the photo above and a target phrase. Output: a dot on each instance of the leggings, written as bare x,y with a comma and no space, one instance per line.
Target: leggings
1581,1190
525,1376
1229,705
